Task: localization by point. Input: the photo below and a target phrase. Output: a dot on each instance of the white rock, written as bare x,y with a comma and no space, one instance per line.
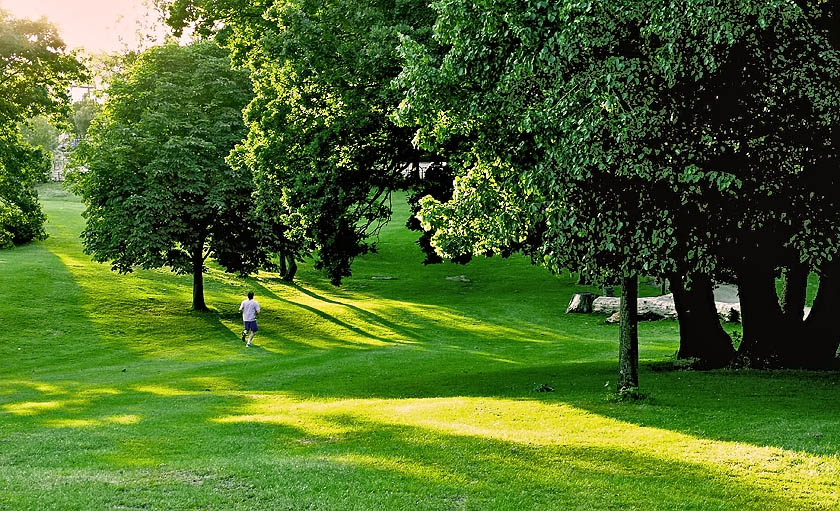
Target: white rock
605,304
662,307
654,307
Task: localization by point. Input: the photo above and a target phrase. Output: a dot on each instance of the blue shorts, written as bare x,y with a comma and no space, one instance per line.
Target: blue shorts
251,325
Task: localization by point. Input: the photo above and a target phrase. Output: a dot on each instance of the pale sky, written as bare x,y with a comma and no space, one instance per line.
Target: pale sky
96,25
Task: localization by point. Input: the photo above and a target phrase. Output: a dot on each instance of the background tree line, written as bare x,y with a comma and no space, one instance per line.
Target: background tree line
36,72
688,139
692,139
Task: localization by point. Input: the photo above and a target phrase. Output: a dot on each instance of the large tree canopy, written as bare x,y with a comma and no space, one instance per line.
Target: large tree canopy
635,136
158,191
36,72
324,151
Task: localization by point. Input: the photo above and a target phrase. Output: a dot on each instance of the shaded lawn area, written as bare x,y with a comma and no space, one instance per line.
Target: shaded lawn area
410,393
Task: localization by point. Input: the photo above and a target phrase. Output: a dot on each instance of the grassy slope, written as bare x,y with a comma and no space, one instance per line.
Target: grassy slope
413,393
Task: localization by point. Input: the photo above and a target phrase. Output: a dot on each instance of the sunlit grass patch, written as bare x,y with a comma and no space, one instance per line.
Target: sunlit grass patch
36,407
412,393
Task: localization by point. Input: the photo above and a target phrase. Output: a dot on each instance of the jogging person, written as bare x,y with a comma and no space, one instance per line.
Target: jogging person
250,308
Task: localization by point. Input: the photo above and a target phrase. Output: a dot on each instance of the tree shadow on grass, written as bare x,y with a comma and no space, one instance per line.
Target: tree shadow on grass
340,325
728,408
47,304
787,409
488,473
794,410
370,316
217,450
408,323
791,411
525,287
353,329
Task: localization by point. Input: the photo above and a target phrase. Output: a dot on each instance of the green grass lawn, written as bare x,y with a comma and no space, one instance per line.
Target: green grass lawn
413,393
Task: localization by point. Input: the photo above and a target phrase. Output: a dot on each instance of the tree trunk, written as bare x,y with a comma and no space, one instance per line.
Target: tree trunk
792,300
628,336
290,273
766,342
198,279
701,335
822,328
283,269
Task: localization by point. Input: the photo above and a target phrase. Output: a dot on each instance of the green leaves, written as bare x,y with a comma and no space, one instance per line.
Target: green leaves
611,113
36,70
157,184
323,148
21,166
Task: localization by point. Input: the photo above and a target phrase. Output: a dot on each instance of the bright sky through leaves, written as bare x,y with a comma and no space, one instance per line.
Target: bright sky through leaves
96,25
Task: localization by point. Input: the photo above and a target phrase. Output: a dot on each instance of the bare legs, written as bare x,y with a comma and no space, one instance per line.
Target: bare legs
250,337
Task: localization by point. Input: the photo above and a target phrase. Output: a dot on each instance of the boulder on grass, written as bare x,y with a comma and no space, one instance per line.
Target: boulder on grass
652,308
662,307
605,304
615,317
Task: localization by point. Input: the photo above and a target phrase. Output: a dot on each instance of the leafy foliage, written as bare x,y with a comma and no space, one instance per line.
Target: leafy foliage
84,111
36,71
158,191
321,144
629,138
637,136
35,74
21,166
437,183
39,132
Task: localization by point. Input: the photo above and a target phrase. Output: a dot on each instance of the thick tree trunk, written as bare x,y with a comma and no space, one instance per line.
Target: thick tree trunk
283,269
792,300
628,336
766,342
701,335
821,334
290,273
198,280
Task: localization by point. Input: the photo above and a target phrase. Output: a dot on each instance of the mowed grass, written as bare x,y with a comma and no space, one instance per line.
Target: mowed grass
410,393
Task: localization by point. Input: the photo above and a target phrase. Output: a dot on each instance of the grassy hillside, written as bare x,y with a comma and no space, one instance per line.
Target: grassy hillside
415,392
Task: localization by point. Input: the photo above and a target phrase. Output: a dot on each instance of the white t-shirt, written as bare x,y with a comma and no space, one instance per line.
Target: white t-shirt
249,309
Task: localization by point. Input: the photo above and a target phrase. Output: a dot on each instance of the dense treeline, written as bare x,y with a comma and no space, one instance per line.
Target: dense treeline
156,186
634,137
36,71
324,151
694,139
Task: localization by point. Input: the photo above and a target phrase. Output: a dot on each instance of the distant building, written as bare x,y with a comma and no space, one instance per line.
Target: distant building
418,168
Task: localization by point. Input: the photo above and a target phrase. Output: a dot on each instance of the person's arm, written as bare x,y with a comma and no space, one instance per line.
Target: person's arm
240,306
258,308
